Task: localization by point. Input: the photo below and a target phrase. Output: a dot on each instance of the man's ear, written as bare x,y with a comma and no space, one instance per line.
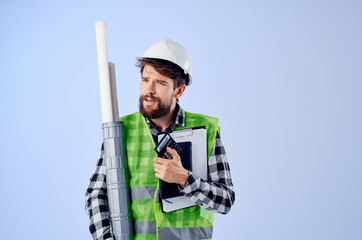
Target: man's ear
179,91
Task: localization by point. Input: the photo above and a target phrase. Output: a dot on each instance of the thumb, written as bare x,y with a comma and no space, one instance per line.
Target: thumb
173,153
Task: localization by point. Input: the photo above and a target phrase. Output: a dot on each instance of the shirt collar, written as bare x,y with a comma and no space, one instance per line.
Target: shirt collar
180,117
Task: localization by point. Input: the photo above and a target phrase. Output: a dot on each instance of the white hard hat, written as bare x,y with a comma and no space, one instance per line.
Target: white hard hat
174,52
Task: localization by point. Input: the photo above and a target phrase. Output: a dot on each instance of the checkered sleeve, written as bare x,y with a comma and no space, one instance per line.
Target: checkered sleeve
96,203
216,193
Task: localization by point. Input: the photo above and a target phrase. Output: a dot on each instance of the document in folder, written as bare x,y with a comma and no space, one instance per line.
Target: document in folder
193,142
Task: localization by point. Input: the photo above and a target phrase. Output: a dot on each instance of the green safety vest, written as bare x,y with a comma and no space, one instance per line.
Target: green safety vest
149,221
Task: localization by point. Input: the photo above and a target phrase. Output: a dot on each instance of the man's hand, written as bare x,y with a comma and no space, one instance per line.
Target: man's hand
171,170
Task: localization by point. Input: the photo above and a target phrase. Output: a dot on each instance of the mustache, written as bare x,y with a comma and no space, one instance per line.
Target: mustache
143,97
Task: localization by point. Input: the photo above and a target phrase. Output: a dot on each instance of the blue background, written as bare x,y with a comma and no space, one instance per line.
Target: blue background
285,78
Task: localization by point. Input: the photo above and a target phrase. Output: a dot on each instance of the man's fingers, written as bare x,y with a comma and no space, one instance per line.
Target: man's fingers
159,164
159,160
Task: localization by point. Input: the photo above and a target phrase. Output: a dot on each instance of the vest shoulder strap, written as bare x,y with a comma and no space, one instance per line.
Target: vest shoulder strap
129,117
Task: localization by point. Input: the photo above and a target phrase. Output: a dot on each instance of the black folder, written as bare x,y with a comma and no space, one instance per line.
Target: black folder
170,190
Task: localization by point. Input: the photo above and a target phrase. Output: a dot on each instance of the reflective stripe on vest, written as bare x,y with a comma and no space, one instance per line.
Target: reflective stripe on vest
144,227
141,193
185,233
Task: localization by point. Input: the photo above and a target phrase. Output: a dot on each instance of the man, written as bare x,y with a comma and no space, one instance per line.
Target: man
166,71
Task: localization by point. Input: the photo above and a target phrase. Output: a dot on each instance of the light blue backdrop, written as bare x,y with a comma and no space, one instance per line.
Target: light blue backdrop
285,78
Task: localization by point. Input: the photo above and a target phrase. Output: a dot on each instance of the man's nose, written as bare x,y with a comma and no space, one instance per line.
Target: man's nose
151,88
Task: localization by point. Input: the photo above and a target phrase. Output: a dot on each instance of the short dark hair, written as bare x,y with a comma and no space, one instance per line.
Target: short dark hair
166,68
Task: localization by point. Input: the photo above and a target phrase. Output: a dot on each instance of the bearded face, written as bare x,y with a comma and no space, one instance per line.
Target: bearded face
153,107
158,94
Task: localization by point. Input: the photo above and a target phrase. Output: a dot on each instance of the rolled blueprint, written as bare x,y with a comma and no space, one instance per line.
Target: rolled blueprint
112,77
103,73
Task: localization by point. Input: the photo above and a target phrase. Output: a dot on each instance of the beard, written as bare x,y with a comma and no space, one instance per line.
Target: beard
163,108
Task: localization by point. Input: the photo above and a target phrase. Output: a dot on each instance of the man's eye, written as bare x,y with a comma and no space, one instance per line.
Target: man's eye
144,80
162,83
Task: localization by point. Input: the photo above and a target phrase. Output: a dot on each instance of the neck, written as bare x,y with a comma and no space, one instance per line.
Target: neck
165,121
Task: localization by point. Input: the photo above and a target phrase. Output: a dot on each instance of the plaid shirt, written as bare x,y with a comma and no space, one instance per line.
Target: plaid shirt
215,194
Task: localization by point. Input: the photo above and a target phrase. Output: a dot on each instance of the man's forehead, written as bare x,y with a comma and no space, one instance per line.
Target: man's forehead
150,72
